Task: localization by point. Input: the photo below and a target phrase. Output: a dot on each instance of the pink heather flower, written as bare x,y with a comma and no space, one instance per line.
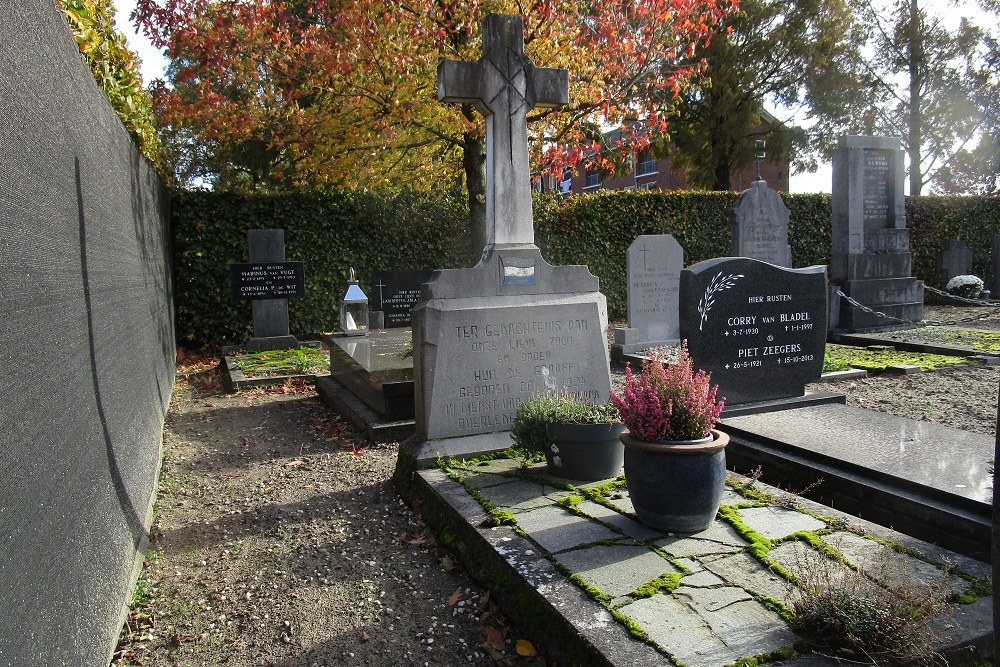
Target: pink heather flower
669,401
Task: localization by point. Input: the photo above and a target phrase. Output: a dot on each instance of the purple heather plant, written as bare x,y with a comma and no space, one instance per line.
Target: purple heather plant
668,401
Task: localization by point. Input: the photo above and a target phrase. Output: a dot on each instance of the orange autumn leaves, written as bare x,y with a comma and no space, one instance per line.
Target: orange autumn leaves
343,93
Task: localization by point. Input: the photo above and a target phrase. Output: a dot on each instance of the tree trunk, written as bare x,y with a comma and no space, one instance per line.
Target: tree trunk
474,164
915,129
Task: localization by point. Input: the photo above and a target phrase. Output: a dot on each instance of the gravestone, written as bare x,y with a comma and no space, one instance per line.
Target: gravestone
955,260
758,223
653,267
759,329
871,259
268,280
487,337
395,293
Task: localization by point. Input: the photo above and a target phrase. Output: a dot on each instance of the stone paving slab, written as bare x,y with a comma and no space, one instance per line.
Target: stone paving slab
722,603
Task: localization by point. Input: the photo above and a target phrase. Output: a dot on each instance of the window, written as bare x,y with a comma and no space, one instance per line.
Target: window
648,186
593,178
566,184
645,163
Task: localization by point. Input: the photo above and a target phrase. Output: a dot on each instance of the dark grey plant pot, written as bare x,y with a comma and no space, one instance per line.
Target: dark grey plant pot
586,452
676,487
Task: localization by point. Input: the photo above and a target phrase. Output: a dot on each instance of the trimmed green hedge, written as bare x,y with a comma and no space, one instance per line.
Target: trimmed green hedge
368,231
330,233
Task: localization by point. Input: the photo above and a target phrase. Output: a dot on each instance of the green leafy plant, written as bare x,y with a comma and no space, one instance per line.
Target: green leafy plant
530,429
668,401
281,362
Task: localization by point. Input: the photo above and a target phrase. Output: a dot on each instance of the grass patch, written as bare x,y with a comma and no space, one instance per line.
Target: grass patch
269,363
840,357
984,341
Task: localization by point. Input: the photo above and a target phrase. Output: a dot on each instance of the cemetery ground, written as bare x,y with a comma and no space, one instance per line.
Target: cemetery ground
279,539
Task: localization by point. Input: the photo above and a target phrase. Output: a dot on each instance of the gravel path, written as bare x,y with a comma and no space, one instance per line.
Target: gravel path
279,541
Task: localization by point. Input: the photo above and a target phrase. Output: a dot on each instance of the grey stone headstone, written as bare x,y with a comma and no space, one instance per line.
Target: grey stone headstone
871,248
270,316
759,329
653,267
482,345
955,260
758,223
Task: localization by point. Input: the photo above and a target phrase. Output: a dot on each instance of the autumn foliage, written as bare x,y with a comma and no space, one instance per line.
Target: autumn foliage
281,93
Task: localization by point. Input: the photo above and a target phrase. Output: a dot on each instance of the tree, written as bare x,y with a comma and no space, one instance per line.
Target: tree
320,93
915,79
781,52
115,68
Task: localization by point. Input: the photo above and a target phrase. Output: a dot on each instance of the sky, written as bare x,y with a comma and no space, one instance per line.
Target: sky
154,63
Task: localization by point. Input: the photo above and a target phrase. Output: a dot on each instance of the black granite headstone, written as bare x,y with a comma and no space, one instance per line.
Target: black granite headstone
395,293
759,329
268,274
275,280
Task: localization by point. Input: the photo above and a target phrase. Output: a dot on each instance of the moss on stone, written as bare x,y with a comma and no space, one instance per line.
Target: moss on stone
667,583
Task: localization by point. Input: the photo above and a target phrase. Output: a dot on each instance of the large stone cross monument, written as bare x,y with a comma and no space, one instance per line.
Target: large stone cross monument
505,85
487,337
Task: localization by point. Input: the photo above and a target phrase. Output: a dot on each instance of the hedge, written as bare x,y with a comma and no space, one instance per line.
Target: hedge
371,231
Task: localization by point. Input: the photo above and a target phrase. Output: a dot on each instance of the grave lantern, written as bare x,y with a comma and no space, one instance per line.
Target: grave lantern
354,309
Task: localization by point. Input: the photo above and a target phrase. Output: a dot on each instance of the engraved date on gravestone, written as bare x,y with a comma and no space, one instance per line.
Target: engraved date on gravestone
759,329
272,280
878,187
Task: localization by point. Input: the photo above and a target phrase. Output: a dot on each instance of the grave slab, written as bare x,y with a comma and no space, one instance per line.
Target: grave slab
747,572
555,529
889,469
616,569
776,523
630,527
711,619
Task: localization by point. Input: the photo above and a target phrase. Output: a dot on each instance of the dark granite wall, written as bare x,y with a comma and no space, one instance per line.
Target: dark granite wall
86,348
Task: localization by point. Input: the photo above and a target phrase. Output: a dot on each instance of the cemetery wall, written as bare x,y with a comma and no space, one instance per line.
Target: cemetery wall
86,320
370,231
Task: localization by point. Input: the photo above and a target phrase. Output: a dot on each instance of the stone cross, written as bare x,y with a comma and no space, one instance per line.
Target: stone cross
504,85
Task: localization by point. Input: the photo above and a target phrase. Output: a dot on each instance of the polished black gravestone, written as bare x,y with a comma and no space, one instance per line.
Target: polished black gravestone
268,280
395,293
759,329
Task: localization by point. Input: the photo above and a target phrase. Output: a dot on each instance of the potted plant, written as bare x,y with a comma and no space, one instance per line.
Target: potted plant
968,287
580,439
675,462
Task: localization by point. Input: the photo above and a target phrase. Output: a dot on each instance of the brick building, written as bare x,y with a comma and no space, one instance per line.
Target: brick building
652,173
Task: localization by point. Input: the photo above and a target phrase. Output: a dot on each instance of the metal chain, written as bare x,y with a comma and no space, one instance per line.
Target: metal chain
973,318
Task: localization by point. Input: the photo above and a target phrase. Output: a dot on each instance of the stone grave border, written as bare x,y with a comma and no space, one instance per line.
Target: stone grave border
234,379
535,592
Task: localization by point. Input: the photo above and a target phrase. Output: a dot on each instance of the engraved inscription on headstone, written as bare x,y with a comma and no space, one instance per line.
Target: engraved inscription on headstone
653,268
395,293
274,280
758,224
759,329
878,188
509,355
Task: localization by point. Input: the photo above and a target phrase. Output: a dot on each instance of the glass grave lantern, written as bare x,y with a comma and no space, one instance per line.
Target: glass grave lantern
354,309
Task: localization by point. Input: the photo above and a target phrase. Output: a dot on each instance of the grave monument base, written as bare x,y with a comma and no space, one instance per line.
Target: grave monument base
901,299
377,369
631,341
488,337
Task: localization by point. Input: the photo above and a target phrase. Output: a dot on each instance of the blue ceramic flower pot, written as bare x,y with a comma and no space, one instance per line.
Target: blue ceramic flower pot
586,452
676,487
